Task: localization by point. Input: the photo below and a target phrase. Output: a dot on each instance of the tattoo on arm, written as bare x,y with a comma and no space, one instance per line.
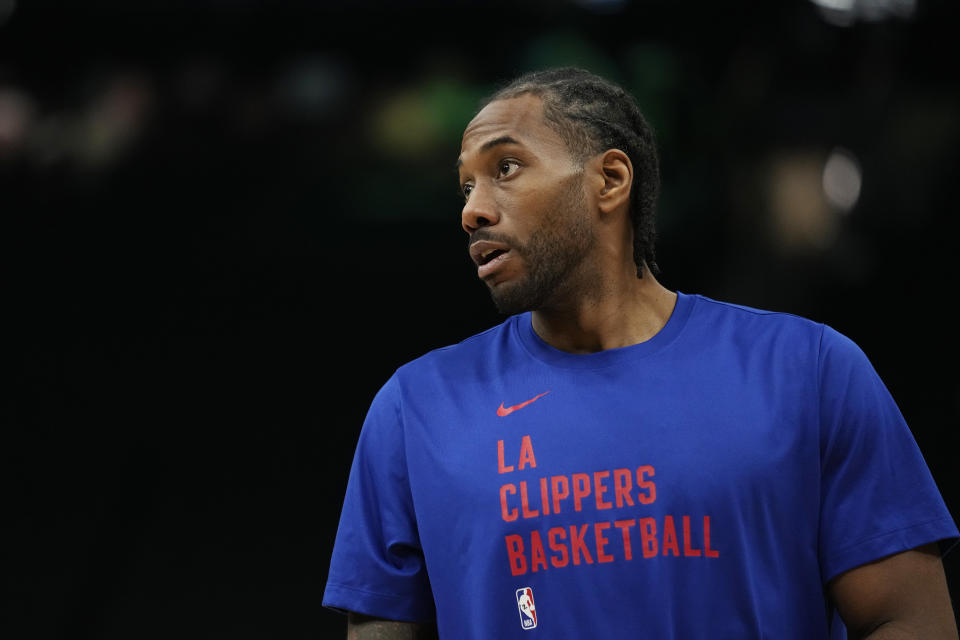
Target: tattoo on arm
361,627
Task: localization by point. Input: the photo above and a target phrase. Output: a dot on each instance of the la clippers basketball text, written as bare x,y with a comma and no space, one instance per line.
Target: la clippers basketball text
626,535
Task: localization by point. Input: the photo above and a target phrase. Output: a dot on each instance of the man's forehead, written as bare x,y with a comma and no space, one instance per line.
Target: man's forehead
520,118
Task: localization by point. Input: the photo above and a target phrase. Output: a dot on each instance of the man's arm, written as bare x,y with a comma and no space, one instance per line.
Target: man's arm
900,597
361,627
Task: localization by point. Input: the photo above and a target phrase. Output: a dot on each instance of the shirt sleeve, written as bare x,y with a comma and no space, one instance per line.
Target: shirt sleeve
878,496
377,567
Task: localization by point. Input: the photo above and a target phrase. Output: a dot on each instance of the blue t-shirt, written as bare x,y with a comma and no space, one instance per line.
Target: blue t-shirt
705,483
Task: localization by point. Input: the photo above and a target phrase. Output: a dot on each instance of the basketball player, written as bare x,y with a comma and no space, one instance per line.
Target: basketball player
636,461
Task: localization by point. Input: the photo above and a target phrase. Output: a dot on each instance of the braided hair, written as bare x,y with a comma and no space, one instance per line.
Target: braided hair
592,115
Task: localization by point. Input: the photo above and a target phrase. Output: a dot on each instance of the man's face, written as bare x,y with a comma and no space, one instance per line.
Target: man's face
525,209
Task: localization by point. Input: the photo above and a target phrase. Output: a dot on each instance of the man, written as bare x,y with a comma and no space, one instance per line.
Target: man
617,460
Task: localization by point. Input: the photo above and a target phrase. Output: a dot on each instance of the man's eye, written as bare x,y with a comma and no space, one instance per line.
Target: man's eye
507,166
466,189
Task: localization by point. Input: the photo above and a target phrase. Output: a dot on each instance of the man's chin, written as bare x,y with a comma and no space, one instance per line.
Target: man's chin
512,298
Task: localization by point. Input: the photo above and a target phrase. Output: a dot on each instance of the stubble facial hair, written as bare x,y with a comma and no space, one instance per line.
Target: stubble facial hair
551,255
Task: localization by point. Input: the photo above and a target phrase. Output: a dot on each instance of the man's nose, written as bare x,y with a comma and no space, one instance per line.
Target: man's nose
480,210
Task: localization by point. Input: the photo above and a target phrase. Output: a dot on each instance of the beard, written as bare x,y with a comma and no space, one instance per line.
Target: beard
551,255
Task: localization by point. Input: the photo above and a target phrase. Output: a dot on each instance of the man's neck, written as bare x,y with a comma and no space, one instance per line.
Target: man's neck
627,315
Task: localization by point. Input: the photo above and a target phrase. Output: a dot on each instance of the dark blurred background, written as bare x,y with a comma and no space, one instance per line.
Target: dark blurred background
226,222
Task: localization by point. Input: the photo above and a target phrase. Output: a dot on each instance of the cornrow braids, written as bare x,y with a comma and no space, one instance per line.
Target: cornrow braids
592,115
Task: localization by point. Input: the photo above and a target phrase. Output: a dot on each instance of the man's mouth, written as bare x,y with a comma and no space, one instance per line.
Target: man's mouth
483,251
488,256
492,263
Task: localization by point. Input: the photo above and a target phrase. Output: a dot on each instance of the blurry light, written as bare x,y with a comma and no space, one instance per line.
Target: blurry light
403,125
312,86
428,118
873,10
843,13
16,115
452,103
842,179
7,8
114,120
836,5
802,218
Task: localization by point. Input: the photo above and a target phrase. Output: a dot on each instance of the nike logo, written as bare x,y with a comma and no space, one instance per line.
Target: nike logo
505,411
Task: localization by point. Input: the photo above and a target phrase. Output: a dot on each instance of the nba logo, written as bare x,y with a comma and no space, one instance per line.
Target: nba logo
528,610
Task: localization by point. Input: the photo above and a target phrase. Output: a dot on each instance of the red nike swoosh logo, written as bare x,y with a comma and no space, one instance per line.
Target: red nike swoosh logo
505,411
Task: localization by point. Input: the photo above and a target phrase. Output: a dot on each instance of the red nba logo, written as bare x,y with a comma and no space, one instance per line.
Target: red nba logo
528,610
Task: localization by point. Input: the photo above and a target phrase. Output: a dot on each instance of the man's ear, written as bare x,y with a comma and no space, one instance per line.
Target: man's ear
617,172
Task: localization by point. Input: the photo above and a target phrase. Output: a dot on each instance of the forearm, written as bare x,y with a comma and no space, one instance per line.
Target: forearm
903,631
891,631
361,627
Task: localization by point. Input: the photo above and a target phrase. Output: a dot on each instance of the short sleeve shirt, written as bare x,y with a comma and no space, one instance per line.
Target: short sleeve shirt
705,483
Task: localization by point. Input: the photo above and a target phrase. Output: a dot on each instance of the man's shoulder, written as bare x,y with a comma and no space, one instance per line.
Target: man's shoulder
784,332
466,351
726,307
751,318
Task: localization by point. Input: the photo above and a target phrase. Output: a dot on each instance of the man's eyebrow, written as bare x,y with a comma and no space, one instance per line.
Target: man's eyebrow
490,144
